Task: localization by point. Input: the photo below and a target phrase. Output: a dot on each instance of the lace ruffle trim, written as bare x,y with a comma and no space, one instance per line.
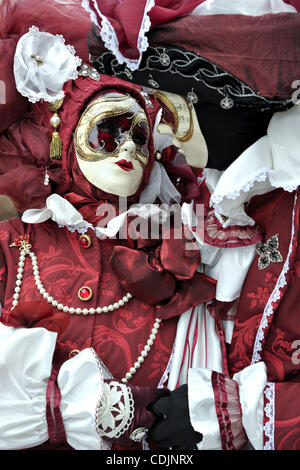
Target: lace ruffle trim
263,175
232,236
80,228
269,414
109,36
274,297
98,362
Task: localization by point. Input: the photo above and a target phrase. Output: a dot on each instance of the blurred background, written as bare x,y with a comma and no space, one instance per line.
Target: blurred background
7,209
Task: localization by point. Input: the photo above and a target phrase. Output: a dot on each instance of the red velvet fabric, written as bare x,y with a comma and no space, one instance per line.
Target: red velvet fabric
280,332
261,51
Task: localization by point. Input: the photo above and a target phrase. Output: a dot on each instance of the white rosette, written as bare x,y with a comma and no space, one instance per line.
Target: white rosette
43,63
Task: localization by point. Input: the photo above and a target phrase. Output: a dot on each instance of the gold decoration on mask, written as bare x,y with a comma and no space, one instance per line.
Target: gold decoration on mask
55,145
179,120
181,112
103,108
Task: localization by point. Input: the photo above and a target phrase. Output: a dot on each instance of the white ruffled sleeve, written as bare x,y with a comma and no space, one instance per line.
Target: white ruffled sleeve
80,381
231,407
25,368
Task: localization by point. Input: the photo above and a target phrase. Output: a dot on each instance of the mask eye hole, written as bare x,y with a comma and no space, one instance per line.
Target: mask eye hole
139,138
103,136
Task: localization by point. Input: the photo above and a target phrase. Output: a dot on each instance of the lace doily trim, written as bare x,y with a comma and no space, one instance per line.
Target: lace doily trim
115,411
80,228
269,413
274,297
109,36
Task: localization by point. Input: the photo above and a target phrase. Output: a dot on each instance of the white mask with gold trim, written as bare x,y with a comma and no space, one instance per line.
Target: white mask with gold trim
180,121
111,144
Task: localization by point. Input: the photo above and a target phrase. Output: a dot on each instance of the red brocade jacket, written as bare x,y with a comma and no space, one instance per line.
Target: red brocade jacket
266,327
72,264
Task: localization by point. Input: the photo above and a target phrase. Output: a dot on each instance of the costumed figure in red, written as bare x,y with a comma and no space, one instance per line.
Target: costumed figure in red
90,301
112,338
237,64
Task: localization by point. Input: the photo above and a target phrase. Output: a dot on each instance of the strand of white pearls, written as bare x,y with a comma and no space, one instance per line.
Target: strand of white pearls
50,299
145,351
73,310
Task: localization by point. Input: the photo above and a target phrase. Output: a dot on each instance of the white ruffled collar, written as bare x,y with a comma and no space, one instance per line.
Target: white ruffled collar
64,214
271,162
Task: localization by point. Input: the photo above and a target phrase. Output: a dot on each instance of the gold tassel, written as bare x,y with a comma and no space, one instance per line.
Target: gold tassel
55,146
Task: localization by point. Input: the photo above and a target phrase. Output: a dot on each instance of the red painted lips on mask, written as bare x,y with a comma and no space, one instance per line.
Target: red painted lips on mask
125,165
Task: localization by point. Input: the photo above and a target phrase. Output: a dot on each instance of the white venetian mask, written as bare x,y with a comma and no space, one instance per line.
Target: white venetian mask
111,144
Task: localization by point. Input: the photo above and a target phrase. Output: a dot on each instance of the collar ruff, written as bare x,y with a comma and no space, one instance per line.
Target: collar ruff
270,163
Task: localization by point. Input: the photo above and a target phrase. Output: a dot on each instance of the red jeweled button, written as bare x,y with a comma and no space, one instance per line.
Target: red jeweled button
73,353
85,293
85,241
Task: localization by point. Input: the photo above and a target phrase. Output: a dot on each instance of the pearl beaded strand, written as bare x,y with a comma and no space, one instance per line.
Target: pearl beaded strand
25,249
144,352
55,303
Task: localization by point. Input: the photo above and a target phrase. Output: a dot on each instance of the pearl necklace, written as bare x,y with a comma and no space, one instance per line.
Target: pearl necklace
25,249
145,351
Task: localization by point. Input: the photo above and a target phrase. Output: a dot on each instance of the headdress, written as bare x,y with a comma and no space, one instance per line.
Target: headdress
222,58
39,148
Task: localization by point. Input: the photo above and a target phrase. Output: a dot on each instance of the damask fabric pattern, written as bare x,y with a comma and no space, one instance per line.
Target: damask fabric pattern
267,328
65,267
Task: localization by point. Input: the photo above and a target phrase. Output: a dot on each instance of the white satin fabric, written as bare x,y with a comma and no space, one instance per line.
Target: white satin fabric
44,79
252,381
242,7
64,214
196,345
271,162
159,187
25,367
229,266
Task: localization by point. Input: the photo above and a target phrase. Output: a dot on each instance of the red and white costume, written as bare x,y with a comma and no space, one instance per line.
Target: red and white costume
236,352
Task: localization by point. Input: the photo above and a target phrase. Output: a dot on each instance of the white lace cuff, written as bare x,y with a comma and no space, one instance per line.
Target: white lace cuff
115,411
252,382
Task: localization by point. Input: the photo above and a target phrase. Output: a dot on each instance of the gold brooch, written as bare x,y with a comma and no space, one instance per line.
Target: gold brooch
22,242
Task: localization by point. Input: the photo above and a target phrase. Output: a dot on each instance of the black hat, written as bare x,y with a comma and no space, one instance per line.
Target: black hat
236,70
